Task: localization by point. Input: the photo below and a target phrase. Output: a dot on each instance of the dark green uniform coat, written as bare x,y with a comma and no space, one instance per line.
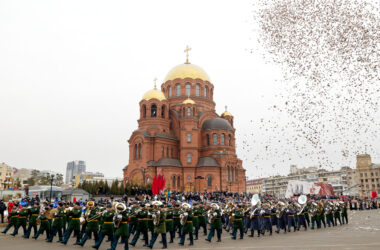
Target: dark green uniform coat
123,229
188,227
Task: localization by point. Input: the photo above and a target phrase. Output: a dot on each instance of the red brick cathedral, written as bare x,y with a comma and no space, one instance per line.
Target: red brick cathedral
181,137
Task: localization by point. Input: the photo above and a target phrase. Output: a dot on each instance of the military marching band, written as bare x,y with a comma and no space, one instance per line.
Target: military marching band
159,217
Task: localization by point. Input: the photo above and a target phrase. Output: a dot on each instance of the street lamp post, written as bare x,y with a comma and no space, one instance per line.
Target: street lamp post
51,185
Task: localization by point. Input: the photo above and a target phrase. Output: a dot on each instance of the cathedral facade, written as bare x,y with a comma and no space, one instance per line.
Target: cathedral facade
181,137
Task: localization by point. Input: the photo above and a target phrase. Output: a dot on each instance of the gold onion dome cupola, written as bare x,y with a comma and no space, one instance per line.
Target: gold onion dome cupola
154,93
187,70
188,101
226,113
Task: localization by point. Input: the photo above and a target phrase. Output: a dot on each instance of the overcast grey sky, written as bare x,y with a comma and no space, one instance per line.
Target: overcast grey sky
73,72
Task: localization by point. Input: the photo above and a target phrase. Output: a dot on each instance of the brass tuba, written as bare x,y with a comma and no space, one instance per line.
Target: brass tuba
184,214
119,208
156,214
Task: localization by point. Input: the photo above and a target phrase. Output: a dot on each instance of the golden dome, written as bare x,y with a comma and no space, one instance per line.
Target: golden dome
188,101
154,94
187,70
226,113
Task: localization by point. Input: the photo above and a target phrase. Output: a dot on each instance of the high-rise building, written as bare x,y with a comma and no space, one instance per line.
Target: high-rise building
73,168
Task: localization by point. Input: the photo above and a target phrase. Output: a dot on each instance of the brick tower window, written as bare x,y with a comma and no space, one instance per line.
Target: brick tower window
215,139
188,89
207,140
222,139
163,111
178,90
153,110
209,181
197,90
206,91
188,137
188,158
170,91
189,112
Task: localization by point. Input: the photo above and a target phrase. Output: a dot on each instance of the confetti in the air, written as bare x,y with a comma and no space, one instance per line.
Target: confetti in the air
328,51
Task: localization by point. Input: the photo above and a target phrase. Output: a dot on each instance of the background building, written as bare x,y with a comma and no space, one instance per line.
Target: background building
80,178
255,186
73,168
368,175
343,181
6,176
22,175
181,136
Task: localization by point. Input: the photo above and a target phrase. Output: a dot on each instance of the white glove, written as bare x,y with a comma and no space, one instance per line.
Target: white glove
215,214
119,216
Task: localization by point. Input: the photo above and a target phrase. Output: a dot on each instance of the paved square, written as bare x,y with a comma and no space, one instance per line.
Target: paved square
362,232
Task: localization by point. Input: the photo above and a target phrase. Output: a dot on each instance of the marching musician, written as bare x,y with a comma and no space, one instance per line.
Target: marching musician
202,218
329,214
344,212
290,212
176,221
267,224
337,214
22,219
301,219
107,227
321,213
74,224
142,225
169,222
273,217
133,219
122,230
34,211
187,227
160,227
238,222
12,218
246,218
195,220
280,214
150,220
45,225
57,224
216,223
254,222
92,223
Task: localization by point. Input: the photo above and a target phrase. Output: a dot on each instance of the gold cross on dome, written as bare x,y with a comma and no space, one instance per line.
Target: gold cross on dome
155,79
187,53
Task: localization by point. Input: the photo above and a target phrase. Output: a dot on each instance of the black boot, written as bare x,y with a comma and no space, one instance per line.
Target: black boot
251,235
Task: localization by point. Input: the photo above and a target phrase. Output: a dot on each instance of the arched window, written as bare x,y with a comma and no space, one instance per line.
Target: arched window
178,90
167,152
229,140
188,137
163,111
207,140
222,139
206,91
188,111
178,182
140,151
209,181
136,152
162,151
170,91
188,89
197,90
188,158
173,181
215,139
153,110
144,111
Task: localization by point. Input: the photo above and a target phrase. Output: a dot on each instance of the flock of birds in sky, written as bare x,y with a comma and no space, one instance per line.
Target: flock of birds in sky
326,108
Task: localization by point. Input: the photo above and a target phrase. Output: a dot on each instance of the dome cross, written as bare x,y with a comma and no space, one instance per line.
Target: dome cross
187,53
155,80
